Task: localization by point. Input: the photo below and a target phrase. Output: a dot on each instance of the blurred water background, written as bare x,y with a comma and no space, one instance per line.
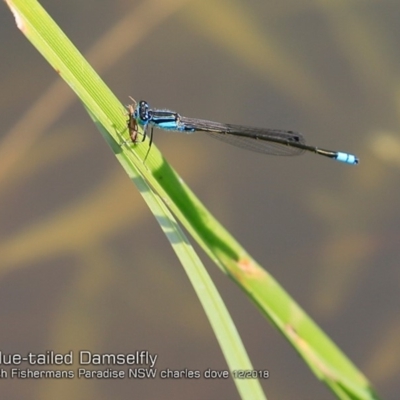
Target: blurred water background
83,262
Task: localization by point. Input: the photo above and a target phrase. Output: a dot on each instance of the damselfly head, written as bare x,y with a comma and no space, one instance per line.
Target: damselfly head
142,112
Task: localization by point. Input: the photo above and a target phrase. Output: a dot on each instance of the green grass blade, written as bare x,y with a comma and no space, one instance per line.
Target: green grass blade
214,307
324,358
110,117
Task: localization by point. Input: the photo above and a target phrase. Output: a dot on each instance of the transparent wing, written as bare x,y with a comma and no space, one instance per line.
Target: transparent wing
266,141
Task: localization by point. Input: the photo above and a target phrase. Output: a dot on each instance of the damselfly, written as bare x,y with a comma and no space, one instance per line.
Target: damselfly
262,140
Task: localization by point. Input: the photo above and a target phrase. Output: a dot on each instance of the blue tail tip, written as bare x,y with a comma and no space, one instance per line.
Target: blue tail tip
347,158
